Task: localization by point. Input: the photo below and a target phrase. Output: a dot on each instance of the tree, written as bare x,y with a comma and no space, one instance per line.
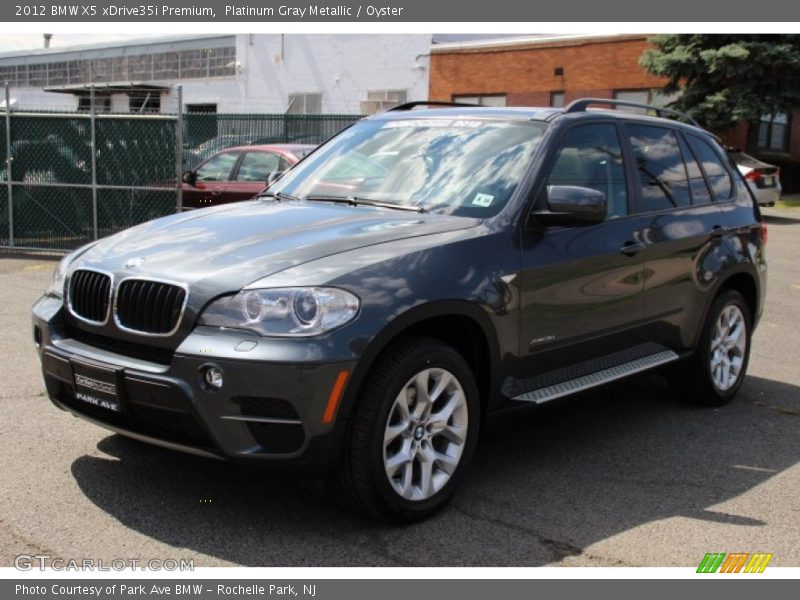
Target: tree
724,79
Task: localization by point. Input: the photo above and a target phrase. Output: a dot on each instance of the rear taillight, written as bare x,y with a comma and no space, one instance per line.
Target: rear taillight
763,234
753,176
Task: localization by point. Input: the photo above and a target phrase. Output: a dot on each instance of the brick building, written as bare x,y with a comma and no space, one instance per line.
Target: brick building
554,70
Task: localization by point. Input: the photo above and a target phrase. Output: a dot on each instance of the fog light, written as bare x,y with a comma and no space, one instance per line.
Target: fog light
213,378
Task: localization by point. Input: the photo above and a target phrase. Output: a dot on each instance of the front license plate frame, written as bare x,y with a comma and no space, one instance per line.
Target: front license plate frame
98,385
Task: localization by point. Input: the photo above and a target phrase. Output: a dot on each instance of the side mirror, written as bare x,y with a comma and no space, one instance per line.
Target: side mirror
573,205
274,176
189,177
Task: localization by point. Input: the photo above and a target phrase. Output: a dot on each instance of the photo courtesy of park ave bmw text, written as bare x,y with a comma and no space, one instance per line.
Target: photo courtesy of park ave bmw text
298,298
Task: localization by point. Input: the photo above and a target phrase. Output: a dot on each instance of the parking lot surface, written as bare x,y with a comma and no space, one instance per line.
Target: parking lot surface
627,475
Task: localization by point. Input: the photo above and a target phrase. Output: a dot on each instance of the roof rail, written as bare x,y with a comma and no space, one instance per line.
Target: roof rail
583,103
414,104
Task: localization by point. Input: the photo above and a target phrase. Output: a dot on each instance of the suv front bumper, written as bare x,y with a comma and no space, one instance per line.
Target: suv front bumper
266,410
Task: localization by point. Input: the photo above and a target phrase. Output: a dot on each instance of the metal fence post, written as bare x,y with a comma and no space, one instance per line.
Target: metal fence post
92,119
9,186
179,152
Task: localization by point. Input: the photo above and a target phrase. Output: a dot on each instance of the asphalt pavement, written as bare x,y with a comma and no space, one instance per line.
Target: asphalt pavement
627,475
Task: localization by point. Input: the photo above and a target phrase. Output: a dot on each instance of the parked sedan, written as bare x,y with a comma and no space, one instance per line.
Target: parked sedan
762,178
238,173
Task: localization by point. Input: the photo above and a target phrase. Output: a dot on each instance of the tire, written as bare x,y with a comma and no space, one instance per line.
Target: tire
713,374
403,464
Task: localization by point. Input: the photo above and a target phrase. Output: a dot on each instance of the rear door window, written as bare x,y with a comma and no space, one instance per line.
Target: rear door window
663,180
257,166
697,181
718,176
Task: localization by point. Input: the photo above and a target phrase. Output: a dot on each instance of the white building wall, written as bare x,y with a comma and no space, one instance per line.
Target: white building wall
270,67
340,67
37,99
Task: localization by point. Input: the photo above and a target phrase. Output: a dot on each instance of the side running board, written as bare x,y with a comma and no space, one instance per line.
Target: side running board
539,395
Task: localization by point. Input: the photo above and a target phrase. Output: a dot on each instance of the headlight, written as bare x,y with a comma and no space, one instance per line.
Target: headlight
60,274
284,311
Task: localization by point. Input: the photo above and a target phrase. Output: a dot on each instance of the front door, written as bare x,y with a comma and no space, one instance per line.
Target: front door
581,286
211,177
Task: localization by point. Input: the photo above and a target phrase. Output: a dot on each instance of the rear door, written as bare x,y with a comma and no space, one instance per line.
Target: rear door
581,286
683,231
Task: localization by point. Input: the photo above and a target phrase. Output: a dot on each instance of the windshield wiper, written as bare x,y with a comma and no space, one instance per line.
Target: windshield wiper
356,201
276,195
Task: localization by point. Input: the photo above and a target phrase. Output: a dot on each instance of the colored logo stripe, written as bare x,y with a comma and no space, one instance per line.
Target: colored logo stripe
734,562
711,562
758,563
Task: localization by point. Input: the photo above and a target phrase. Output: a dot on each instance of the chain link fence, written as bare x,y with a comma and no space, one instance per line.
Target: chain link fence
70,178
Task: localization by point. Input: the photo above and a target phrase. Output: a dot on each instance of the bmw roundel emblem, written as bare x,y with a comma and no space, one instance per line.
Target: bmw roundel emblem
132,263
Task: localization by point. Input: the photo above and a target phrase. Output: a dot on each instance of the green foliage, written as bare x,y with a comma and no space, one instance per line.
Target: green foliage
724,79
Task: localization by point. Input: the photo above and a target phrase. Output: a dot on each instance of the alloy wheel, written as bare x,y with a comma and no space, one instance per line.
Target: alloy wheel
425,434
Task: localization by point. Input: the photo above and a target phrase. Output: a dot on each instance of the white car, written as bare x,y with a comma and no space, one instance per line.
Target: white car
763,178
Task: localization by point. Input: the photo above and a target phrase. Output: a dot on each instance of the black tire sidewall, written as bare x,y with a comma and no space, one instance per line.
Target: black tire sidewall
703,355
426,354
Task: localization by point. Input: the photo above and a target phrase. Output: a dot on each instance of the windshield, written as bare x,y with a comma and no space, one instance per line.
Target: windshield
466,167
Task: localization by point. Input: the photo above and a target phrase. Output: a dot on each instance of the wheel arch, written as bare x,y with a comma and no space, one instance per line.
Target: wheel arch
461,324
744,281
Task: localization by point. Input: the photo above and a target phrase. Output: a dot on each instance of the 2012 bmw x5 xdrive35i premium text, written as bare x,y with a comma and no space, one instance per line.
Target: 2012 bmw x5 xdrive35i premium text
422,269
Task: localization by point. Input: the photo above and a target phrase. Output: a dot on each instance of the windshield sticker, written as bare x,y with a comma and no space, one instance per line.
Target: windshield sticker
432,123
484,200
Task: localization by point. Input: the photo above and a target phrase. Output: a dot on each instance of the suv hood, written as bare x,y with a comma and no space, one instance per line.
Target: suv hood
223,249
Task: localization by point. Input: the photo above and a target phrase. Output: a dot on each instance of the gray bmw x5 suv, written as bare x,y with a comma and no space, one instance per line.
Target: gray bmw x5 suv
423,269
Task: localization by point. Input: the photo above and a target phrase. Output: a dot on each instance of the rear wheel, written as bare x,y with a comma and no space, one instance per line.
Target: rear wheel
413,433
714,373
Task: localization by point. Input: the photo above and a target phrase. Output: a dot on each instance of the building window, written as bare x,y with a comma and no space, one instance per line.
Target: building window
145,102
381,100
305,104
651,97
140,67
184,64
194,64
773,132
166,65
102,104
482,100
58,73
9,74
222,61
557,99
37,75
201,108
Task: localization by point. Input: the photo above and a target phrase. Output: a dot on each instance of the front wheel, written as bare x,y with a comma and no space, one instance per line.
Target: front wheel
714,373
413,433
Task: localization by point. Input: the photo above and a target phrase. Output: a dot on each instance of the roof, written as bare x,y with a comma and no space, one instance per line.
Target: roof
521,113
269,147
85,89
